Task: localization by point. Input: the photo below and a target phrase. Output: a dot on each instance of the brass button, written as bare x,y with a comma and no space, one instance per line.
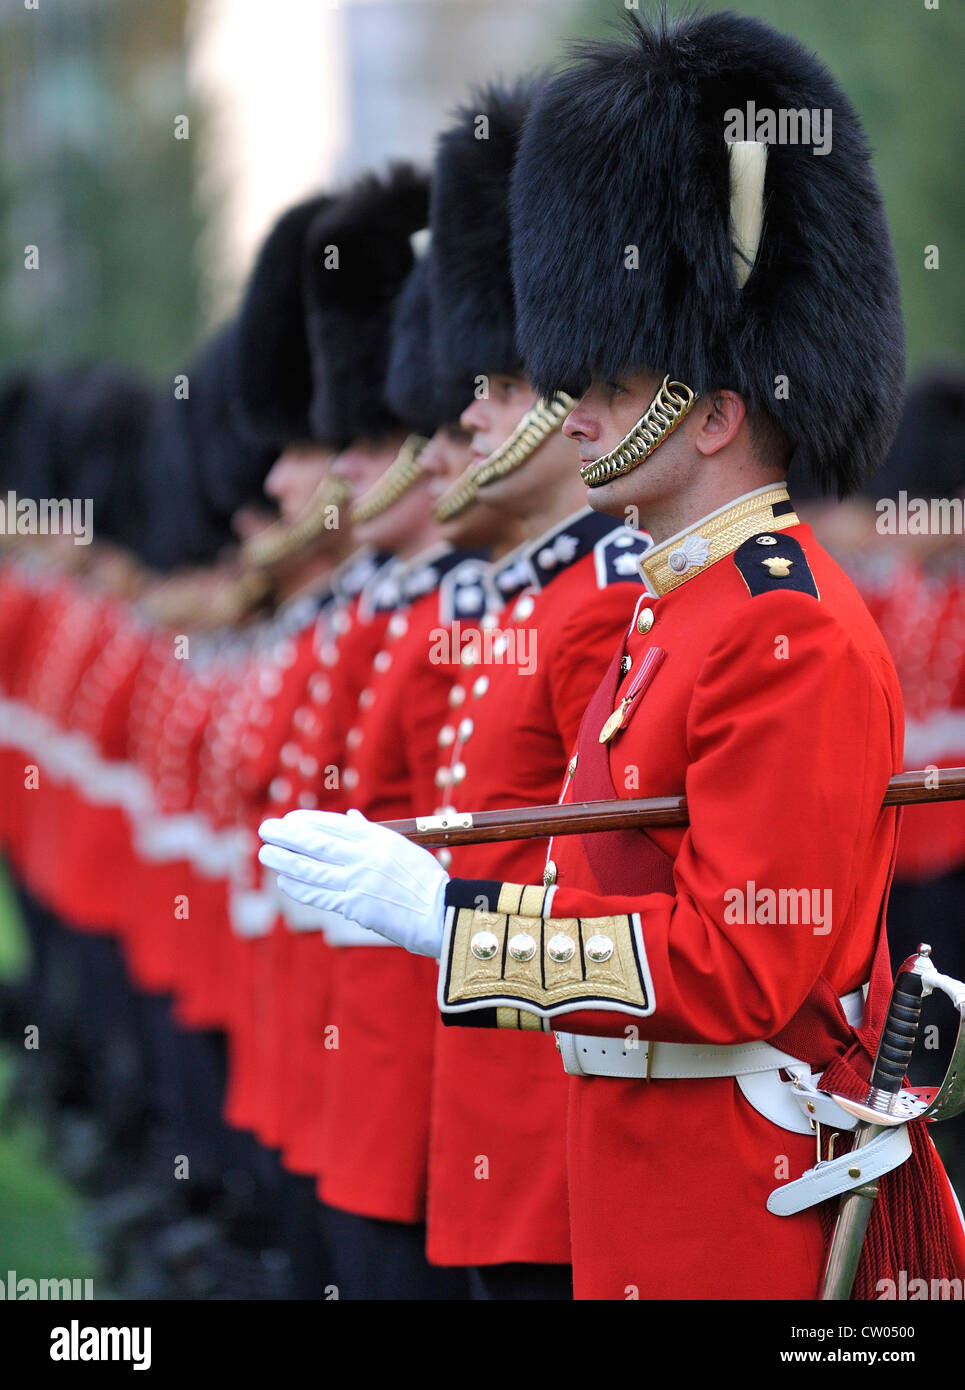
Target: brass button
458,772
645,621
561,948
466,727
350,778
599,949
484,945
443,777
549,874
444,857
382,661
456,696
854,1172
522,947
479,686
524,608
366,699
447,735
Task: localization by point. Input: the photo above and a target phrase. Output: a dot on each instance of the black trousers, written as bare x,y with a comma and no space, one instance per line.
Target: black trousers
378,1260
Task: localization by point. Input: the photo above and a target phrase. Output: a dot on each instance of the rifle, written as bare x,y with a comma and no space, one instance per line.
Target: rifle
641,813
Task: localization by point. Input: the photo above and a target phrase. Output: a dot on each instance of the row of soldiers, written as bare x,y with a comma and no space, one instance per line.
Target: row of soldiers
345,562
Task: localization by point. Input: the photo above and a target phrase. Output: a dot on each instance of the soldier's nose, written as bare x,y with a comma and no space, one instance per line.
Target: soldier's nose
474,417
580,424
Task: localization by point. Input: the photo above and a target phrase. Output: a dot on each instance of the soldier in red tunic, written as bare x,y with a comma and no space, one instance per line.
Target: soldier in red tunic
497,1178
718,305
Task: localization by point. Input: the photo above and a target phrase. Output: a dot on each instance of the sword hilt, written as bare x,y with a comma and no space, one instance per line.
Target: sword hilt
899,1034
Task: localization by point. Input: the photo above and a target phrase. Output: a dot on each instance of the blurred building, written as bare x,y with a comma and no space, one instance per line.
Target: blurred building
91,175
303,94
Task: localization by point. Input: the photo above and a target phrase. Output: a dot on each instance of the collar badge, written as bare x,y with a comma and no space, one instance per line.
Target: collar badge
691,554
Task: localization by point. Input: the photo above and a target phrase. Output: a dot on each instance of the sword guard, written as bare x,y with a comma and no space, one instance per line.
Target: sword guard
907,1105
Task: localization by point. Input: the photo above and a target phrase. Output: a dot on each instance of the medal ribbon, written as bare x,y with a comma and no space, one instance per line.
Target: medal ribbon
649,667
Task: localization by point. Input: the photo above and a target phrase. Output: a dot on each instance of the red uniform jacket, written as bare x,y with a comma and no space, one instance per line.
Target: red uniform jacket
497,1171
759,685
374,1138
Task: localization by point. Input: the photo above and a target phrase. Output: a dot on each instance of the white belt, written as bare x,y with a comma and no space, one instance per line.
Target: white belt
662,1061
886,1151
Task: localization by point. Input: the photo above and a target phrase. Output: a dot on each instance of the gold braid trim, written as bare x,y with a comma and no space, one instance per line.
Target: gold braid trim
457,497
402,472
672,402
281,540
536,425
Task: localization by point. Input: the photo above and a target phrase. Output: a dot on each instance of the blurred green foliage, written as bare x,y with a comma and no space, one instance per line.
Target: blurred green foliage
92,175
901,65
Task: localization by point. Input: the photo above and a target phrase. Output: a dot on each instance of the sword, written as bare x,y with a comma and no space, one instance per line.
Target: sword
887,1105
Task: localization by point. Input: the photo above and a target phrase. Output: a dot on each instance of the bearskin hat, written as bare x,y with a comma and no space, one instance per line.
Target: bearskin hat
233,463
358,255
274,369
471,276
410,380
103,414
928,455
622,250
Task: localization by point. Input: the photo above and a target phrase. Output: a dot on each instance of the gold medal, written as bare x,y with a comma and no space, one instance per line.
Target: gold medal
614,723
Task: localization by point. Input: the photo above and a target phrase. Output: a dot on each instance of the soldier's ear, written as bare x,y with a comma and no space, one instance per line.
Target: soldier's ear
717,419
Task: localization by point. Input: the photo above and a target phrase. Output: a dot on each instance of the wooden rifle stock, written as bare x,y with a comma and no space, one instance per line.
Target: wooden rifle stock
587,817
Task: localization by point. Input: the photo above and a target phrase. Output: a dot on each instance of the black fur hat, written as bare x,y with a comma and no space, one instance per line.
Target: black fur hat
928,455
103,416
274,369
472,287
410,379
178,524
626,149
358,255
233,463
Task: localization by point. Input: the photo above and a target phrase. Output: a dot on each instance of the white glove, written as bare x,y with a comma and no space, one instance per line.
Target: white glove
369,874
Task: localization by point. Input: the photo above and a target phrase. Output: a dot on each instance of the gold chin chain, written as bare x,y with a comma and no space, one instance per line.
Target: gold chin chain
283,539
536,425
404,470
457,496
669,406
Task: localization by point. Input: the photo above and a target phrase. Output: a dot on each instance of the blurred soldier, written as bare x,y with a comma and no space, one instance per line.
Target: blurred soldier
371,1158
674,979
497,1194
917,597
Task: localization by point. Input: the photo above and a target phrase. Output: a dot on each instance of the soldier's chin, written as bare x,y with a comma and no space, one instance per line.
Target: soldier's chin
609,498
